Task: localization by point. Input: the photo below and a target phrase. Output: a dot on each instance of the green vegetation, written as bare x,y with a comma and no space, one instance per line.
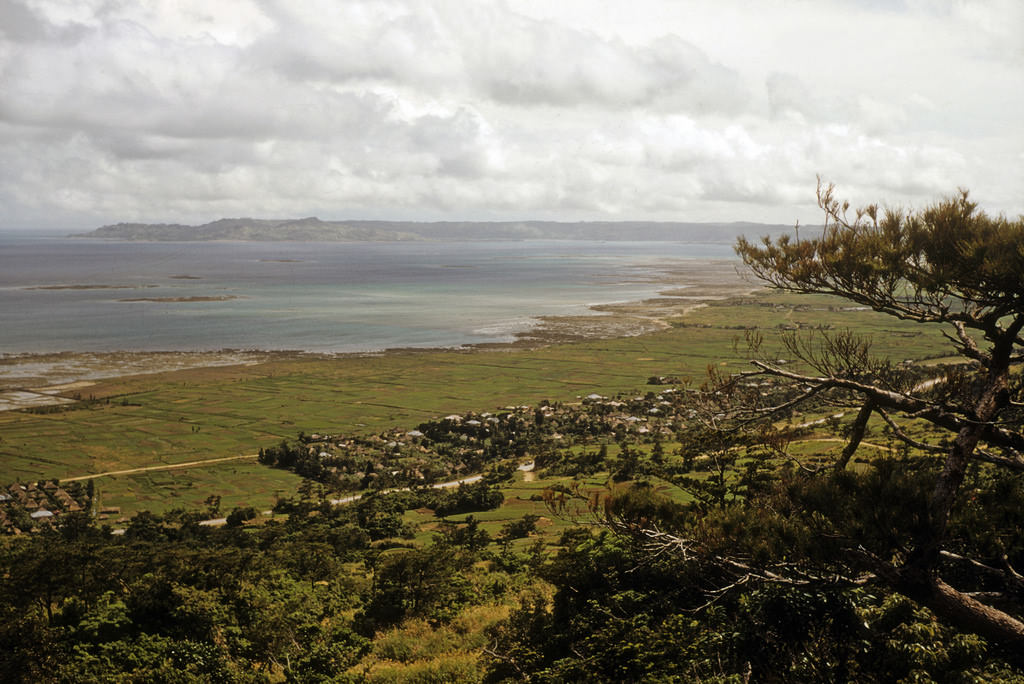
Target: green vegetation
646,509
207,413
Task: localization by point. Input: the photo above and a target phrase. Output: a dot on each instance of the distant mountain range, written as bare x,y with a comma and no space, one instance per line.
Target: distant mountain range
314,230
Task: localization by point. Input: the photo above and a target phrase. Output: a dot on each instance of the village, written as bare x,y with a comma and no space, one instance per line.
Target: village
554,437
551,438
28,506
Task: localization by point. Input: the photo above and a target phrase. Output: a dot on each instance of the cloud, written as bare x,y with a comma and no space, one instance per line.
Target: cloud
182,110
483,50
19,24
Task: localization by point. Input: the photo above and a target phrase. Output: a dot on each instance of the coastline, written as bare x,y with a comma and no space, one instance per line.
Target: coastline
45,379
685,289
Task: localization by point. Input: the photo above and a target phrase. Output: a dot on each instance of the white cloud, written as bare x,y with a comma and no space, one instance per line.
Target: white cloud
173,110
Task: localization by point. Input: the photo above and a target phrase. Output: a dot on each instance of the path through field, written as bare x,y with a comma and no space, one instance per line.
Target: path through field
169,466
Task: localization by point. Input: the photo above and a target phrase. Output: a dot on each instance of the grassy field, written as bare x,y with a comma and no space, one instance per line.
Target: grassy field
241,483
191,415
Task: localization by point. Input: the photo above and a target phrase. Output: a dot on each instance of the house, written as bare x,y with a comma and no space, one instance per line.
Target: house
66,500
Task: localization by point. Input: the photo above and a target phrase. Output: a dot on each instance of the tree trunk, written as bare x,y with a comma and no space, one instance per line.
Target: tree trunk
918,579
965,613
987,409
860,425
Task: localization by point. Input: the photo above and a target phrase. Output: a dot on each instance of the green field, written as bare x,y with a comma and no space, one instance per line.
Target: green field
193,415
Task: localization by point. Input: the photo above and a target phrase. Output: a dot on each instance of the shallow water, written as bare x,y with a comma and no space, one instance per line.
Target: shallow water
63,294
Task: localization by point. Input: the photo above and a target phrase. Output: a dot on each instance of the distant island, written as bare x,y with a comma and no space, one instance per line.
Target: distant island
315,230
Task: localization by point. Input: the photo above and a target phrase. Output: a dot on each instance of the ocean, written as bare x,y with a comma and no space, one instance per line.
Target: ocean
75,294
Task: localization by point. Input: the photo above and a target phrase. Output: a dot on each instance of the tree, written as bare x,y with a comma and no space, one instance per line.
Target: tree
941,525
621,614
429,582
239,515
469,535
521,528
213,503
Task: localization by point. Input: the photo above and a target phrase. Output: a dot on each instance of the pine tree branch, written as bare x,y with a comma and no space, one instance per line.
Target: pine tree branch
933,412
904,437
1014,463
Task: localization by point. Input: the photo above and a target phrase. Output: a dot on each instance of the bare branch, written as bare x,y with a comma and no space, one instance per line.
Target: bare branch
658,542
1014,463
1017,577
772,410
902,436
966,344
913,406
977,565
504,658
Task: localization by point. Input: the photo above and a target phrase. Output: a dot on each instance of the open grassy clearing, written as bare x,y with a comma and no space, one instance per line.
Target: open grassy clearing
241,483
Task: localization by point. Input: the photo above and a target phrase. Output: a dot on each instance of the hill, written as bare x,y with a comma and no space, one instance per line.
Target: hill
315,230
298,230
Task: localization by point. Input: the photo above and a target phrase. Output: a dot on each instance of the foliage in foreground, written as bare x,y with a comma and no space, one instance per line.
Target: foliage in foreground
313,598
628,608
949,265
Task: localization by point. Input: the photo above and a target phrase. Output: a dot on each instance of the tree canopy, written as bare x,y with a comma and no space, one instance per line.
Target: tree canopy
901,566
951,265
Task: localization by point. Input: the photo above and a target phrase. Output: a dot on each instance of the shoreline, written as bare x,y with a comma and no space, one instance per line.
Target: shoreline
47,379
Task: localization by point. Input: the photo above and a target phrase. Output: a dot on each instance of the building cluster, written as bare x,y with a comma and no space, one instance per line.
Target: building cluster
445,448
28,506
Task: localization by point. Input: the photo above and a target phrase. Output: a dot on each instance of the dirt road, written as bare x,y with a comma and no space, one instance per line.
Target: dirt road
169,466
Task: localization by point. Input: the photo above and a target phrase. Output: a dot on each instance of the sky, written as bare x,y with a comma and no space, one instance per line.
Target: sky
720,110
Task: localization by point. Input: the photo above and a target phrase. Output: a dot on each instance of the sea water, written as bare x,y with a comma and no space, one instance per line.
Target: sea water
74,294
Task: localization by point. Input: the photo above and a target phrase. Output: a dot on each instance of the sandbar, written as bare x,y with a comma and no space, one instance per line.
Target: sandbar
69,373
197,298
88,287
